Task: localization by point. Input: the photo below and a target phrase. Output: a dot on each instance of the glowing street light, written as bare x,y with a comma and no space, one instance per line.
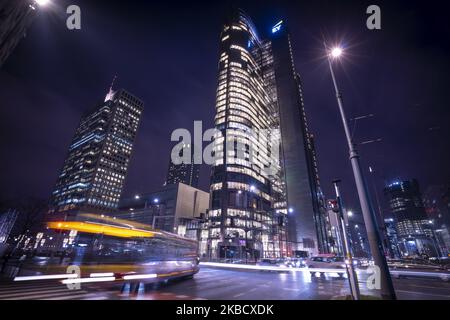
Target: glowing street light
336,52
42,2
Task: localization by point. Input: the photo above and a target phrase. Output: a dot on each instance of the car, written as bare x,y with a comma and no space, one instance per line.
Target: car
275,263
326,262
414,264
361,262
294,263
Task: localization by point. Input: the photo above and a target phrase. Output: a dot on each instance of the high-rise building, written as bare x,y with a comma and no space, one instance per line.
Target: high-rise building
187,173
7,221
251,208
391,234
15,17
359,242
414,230
437,206
96,166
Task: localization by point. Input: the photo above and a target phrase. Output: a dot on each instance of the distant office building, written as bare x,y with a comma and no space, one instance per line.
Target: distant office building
252,212
358,236
94,172
443,240
355,229
334,226
187,173
176,208
414,229
391,234
436,200
15,17
7,221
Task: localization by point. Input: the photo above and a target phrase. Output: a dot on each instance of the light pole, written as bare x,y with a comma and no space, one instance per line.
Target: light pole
352,278
370,221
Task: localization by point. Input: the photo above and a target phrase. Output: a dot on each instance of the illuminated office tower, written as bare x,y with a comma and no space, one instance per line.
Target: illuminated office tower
414,229
187,173
96,166
255,212
307,218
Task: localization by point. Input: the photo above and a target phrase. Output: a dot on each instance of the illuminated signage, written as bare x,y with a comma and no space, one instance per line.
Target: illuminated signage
277,27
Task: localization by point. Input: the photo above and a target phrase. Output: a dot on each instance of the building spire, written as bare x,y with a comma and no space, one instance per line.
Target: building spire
110,94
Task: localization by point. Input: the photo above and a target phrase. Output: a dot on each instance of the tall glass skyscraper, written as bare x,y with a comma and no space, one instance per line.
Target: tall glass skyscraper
255,212
187,173
415,231
96,166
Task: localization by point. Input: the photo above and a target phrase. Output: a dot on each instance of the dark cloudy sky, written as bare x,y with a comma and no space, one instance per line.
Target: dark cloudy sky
166,52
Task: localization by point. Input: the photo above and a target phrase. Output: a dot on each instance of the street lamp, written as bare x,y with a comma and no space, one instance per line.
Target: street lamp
42,2
376,247
336,52
342,228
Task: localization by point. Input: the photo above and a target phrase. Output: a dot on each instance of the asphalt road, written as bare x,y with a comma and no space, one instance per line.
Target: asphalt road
214,283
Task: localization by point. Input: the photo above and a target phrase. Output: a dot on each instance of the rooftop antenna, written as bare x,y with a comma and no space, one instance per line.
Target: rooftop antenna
110,95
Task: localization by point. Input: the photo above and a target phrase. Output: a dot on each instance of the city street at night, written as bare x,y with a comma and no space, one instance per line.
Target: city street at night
224,158
223,284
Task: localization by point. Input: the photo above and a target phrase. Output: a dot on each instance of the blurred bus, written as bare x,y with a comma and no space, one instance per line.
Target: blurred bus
108,249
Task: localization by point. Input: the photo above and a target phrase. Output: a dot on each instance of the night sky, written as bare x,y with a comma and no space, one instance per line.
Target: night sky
166,53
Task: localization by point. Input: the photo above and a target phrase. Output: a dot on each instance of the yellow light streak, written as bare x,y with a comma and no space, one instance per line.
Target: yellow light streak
100,229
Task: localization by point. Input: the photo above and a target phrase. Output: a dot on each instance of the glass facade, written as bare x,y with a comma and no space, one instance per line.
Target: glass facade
187,173
414,229
95,169
250,207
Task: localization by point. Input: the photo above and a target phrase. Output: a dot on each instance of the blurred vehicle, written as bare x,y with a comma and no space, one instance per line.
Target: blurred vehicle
295,262
442,261
414,264
238,261
117,250
326,261
361,262
270,263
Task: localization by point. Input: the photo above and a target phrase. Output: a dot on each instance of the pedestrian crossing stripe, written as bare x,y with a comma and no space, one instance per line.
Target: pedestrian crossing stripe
46,292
